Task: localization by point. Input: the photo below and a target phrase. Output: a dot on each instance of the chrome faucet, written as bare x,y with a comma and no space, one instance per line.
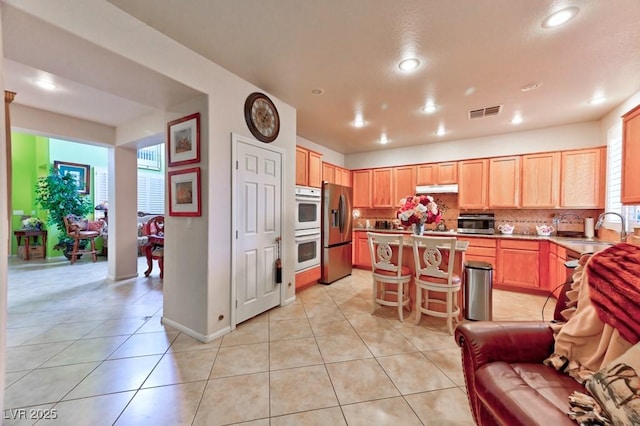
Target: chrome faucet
623,231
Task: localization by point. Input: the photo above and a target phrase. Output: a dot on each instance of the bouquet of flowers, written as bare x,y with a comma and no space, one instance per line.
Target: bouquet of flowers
418,209
32,224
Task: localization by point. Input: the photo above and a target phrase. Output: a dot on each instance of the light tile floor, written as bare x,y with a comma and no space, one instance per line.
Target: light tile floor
94,352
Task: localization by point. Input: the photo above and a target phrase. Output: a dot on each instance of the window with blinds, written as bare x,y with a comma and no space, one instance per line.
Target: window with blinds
150,157
100,188
614,182
150,192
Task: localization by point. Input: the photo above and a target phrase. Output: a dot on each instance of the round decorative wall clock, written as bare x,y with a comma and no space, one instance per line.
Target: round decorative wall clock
262,117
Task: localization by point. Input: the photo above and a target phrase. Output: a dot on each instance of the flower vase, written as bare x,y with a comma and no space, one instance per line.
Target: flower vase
418,228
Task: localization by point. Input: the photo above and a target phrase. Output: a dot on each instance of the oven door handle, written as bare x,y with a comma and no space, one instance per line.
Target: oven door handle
307,238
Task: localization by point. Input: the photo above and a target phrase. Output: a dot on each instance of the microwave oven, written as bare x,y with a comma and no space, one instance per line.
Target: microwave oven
477,223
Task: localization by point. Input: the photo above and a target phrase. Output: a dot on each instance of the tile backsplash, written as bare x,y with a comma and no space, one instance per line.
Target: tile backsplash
525,220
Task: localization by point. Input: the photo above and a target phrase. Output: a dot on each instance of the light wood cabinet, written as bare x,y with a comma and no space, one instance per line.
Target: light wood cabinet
308,172
382,187
582,178
472,181
362,257
426,174
557,268
404,183
518,263
315,169
631,157
328,172
481,250
346,176
504,182
447,173
302,169
541,180
361,180
437,173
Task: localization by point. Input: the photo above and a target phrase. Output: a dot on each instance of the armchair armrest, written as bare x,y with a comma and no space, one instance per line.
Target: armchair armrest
483,342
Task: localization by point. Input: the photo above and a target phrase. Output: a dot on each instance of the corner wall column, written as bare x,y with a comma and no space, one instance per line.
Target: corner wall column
8,98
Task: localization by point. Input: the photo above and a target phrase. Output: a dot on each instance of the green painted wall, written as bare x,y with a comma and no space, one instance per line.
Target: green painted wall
31,157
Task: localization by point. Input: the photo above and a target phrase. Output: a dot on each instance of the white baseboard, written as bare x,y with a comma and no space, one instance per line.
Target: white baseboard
198,336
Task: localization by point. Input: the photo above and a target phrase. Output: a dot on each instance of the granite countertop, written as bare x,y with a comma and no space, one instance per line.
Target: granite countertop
578,245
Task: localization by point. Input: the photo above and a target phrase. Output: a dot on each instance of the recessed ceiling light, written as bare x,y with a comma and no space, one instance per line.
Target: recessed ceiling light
517,119
383,139
531,86
358,122
409,64
441,131
598,100
430,108
45,84
317,91
560,17
470,91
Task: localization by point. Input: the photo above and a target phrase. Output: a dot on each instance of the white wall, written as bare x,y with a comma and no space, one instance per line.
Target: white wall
615,116
571,136
108,27
50,124
328,155
4,238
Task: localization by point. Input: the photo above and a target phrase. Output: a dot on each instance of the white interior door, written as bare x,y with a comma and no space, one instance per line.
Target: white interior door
258,192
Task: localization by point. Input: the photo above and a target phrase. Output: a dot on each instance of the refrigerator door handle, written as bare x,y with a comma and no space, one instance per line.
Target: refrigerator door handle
341,213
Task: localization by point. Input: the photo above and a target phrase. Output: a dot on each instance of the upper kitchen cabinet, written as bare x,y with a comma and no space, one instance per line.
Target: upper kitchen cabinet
473,178
582,178
342,176
315,169
630,156
361,180
437,173
308,171
329,172
541,180
404,182
504,182
383,187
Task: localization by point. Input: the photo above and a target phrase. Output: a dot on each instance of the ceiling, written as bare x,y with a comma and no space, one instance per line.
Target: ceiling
473,54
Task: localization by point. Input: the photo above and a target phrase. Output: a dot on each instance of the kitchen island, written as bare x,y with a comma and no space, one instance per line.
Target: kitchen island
525,263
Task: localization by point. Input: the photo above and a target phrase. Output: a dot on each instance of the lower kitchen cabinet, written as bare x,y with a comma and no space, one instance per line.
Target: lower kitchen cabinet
307,278
557,270
361,255
481,250
519,263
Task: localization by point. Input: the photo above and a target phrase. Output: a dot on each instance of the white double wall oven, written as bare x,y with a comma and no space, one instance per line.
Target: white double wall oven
307,228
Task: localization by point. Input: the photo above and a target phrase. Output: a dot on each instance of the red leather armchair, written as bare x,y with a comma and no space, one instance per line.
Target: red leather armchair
507,384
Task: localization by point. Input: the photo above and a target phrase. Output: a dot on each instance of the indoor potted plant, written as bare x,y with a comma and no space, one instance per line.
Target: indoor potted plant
59,195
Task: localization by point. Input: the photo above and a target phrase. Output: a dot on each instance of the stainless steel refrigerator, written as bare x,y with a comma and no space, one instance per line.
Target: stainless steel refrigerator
336,232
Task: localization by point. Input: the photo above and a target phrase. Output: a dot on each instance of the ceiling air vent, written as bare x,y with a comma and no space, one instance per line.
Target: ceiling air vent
485,112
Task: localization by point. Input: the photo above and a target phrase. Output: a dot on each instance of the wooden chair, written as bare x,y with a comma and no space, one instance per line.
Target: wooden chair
385,273
434,274
78,229
154,248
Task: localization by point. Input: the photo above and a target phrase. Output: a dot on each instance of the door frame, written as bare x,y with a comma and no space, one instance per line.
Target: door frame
235,139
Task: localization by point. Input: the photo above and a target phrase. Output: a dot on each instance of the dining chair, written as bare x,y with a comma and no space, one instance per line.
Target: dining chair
78,228
434,259
389,278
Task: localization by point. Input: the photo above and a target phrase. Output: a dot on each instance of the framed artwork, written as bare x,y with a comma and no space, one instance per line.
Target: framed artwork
184,192
183,140
81,173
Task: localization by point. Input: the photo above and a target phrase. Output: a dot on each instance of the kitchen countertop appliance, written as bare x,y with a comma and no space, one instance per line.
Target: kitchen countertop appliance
477,223
336,259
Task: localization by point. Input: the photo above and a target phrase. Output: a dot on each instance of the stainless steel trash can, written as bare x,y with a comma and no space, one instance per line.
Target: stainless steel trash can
478,278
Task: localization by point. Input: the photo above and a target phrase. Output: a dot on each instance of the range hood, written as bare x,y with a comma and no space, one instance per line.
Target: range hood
437,189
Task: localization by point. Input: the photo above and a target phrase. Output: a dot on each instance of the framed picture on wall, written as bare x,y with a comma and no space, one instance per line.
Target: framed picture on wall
184,192
80,172
183,140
